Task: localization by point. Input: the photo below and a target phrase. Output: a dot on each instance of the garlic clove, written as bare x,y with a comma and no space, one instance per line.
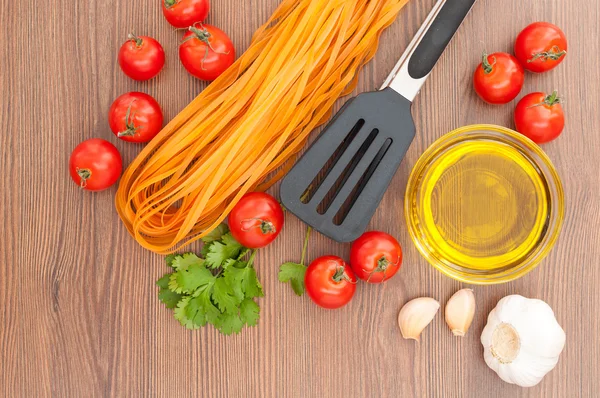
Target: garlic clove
460,310
416,315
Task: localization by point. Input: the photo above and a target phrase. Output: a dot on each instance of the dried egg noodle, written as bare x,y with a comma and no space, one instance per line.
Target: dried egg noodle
243,131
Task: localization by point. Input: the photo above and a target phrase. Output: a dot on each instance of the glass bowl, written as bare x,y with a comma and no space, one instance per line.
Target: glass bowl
484,204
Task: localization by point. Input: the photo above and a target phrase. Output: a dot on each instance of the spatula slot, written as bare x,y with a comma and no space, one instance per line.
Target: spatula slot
360,186
343,177
314,186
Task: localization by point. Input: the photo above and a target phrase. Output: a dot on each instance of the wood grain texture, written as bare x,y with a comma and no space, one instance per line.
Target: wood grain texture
78,309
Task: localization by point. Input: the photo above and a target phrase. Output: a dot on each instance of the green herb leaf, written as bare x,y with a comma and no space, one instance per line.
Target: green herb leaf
181,262
251,285
211,312
230,241
244,280
180,314
249,312
194,311
163,282
205,249
224,297
165,295
233,276
169,259
230,262
297,286
216,234
196,276
219,251
229,323
169,298
293,273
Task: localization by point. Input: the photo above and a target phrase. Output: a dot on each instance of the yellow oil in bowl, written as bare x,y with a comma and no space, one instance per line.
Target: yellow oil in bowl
484,204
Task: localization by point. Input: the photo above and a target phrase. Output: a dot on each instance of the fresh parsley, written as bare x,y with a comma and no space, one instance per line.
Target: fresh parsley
221,250
169,298
294,272
218,287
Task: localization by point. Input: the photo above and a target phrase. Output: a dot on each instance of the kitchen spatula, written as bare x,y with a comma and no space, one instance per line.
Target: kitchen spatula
339,182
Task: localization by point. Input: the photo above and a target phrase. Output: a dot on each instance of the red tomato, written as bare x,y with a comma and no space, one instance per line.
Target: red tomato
375,257
330,282
540,117
256,220
135,117
206,52
540,47
184,13
95,164
499,78
141,58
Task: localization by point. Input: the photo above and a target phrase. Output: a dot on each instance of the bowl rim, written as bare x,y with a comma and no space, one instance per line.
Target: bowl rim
557,208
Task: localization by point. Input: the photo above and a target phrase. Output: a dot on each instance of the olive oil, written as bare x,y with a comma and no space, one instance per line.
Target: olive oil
484,205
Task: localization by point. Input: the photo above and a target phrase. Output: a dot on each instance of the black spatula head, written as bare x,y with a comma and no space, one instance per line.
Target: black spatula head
361,149
341,179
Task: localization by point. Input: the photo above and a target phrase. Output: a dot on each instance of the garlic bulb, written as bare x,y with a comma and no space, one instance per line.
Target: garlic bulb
460,310
522,340
416,315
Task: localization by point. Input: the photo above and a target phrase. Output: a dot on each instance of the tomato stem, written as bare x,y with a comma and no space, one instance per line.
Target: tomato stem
170,3
340,274
266,226
382,265
308,231
131,129
555,53
203,35
137,40
485,63
84,175
550,100
553,98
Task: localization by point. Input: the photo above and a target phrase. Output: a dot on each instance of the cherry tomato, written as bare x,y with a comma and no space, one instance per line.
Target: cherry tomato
135,117
375,257
540,117
206,52
95,164
141,58
330,282
184,13
256,220
499,78
540,47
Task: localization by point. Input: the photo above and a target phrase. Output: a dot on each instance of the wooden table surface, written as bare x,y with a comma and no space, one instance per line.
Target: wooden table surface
79,314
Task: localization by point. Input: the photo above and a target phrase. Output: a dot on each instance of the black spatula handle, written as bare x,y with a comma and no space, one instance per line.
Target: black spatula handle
438,36
427,46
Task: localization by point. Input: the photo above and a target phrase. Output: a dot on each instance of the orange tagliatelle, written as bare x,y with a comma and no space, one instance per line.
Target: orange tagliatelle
243,131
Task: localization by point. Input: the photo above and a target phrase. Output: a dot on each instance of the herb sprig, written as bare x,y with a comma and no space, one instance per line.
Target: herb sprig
294,272
218,287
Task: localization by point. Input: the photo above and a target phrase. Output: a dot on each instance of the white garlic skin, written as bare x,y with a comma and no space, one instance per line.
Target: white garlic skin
538,344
